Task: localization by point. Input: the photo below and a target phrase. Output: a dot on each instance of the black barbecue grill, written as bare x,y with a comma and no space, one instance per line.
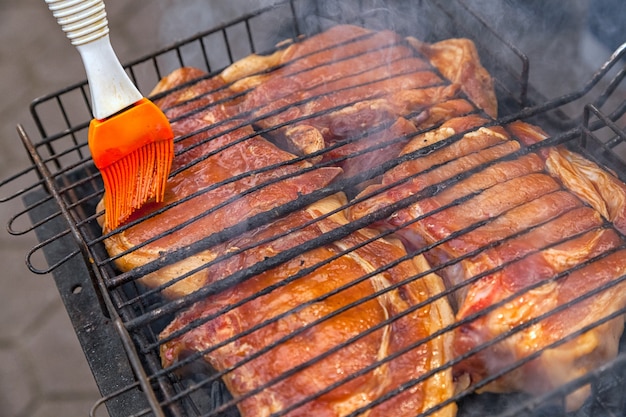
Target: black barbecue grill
118,321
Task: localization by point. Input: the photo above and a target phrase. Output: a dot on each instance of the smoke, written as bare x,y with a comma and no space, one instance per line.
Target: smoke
549,33
184,19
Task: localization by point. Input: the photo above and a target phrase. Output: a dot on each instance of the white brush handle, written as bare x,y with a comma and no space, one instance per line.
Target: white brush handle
86,26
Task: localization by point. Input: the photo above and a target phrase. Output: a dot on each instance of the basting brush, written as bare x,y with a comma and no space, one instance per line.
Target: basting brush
130,139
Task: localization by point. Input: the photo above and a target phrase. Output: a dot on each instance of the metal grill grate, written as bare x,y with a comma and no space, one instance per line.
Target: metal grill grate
118,321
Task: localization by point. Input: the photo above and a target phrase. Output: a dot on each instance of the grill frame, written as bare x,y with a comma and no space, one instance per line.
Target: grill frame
73,249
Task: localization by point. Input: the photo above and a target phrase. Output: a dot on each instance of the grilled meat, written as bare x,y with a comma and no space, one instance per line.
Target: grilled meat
347,83
217,156
503,234
215,148
346,92
283,337
458,61
224,173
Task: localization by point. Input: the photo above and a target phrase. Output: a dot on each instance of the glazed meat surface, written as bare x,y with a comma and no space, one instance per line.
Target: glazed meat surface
329,316
219,156
519,236
224,173
348,313
528,243
337,90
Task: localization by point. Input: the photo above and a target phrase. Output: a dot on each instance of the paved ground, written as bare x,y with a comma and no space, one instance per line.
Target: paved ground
43,372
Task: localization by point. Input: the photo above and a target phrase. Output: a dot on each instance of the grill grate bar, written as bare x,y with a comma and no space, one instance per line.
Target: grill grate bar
263,219
436,269
553,104
346,184
468,319
611,89
603,151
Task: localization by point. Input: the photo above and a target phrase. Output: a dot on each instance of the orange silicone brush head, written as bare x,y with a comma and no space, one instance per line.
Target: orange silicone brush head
133,150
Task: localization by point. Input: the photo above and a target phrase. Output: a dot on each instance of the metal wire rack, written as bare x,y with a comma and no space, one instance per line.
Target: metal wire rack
118,322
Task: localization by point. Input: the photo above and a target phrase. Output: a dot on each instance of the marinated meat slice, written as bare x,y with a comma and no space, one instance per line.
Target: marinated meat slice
494,199
593,184
305,340
479,146
475,248
365,153
440,112
335,46
380,79
458,61
369,133
530,253
357,80
385,87
515,221
240,176
336,43
531,289
351,121
502,234
333,73
196,105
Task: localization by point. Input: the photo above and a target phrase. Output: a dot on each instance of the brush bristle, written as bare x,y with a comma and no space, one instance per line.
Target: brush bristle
136,179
